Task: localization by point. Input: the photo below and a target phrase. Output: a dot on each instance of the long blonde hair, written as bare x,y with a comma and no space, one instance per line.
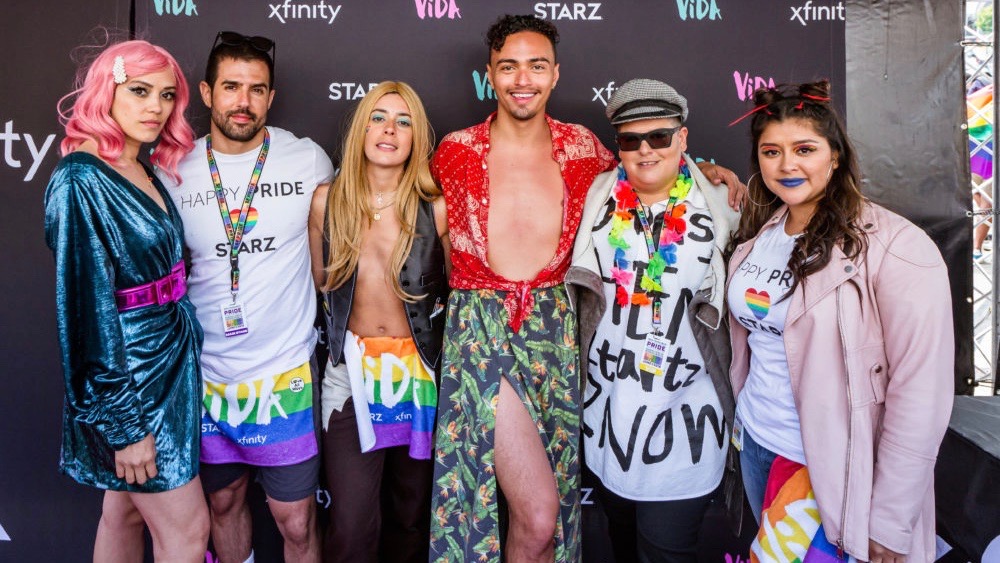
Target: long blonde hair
348,209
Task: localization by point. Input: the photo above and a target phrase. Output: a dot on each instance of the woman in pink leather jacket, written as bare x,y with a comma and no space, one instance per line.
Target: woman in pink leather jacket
843,348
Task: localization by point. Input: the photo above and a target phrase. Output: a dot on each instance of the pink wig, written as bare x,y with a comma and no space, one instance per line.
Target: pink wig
90,116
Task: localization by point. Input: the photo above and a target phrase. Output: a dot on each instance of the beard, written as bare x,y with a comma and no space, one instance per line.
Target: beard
235,131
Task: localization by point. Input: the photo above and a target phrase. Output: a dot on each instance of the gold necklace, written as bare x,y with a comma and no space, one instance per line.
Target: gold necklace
379,206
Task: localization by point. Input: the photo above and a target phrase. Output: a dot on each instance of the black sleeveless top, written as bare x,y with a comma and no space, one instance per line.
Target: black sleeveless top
423,273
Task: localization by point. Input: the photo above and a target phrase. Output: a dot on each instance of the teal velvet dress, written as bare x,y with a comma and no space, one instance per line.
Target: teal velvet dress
131,373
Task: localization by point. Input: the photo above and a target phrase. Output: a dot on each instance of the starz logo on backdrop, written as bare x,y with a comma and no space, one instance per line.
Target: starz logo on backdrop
349,90
569,11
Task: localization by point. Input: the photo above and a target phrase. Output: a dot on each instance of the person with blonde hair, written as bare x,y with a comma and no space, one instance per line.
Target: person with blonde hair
130,339
385,292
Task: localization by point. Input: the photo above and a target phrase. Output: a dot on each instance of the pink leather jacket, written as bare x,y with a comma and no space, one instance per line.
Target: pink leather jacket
870,351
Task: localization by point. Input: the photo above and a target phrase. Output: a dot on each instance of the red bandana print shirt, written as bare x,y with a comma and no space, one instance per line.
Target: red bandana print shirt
459,166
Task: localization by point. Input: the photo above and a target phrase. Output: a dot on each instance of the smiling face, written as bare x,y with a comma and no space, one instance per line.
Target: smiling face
239,100
143,104
523,74
389,133
796,163
649,170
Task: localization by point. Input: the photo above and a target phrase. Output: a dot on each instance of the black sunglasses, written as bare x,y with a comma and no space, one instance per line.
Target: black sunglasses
234,39
657,139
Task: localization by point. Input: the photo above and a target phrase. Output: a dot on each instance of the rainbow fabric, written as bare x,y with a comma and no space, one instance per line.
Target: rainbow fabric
265,422
790,527
395,396
759,302
979,106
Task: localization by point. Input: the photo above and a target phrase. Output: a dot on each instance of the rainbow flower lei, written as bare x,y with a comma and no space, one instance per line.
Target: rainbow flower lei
660,256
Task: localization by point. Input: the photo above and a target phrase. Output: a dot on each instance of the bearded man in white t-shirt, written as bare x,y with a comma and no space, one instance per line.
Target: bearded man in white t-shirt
252,200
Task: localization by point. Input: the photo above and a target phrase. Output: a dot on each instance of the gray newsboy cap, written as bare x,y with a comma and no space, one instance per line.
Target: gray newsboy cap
645,98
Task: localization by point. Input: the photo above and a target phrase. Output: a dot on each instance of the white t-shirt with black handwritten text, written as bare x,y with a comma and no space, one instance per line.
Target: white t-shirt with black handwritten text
646,437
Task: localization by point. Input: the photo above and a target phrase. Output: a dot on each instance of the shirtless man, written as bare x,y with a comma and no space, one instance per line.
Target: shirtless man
385,294
508,415
509,410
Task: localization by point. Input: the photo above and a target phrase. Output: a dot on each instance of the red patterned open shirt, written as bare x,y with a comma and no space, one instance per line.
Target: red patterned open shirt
459,166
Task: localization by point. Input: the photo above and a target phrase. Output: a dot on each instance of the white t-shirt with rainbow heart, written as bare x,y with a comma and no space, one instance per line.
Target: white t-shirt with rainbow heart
766,406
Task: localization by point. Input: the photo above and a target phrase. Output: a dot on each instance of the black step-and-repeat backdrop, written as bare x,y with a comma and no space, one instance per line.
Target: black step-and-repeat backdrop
329,53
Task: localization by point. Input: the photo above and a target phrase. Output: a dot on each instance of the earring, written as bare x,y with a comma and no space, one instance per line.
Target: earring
750,199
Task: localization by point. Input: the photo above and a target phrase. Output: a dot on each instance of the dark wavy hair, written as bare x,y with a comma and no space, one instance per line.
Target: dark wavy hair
241,52
508,25
835,221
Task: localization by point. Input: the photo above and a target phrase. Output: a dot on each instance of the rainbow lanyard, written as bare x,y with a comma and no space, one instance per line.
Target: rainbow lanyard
652,250
235,232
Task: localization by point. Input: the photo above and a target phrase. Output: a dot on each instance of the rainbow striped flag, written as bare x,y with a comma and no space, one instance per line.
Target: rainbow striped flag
790,527
979,110
266,421
395,395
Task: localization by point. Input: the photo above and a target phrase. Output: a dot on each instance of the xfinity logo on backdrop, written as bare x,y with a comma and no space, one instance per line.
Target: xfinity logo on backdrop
483,89
603,93
289,11
350,90
175,7
808,12
10,139
568,11
437,9
746,84
698,10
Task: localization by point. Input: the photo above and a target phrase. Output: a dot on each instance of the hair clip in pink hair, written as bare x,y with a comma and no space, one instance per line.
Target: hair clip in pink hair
118,70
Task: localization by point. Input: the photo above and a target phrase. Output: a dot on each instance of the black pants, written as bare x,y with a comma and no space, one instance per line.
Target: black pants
380,501
659,531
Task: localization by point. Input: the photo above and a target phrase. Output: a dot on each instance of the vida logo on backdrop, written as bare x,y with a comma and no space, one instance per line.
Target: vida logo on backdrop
437,9
14,145
175,7
483,89
746,84
698,10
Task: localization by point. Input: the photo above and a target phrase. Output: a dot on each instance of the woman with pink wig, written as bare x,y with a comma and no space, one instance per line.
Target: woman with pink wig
129,336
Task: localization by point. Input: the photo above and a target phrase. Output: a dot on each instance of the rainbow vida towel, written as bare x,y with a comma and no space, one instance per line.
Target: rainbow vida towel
266,421
395,397
790,528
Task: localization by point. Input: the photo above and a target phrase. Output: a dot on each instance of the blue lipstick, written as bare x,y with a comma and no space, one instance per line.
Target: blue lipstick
791,182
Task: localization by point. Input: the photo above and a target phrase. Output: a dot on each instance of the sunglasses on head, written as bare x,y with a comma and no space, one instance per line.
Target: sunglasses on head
657,139
234,39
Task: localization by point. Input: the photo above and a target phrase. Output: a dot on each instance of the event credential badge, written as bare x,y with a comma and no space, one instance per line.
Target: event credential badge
654,353
234,320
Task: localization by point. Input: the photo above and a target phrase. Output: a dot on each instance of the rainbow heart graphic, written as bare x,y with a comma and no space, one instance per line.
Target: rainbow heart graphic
759,302
234,216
